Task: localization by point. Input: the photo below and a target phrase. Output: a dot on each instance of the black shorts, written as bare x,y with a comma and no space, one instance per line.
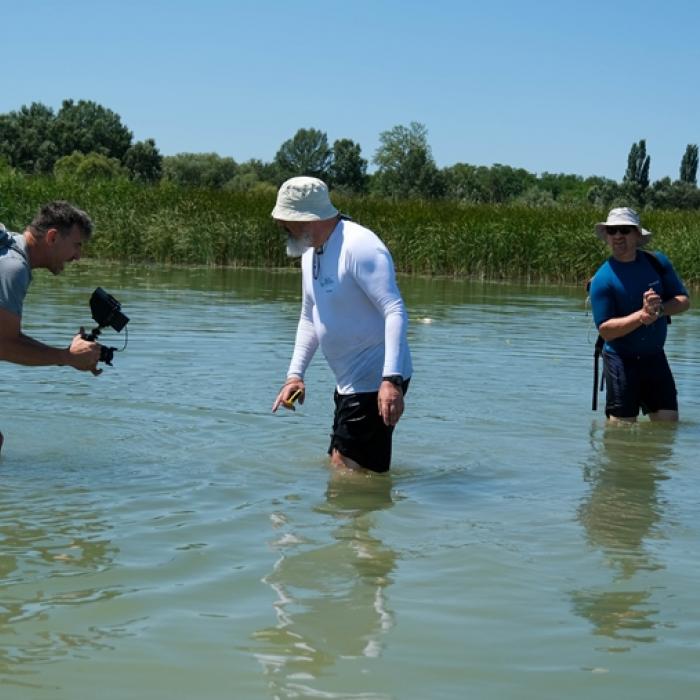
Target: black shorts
359,431
640,381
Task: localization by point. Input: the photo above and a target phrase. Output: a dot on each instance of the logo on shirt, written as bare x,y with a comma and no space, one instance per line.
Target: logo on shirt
326,283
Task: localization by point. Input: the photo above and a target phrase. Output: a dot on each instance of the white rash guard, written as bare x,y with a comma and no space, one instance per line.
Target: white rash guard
353,310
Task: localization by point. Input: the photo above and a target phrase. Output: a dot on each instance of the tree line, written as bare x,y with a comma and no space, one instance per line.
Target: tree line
86,141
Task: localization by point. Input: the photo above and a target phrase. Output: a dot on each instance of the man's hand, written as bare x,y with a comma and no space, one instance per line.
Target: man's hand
290,388
84,354
651,307
390,403
651,303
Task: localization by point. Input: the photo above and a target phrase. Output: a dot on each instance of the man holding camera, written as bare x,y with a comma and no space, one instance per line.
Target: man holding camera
632,295
54,237
352,309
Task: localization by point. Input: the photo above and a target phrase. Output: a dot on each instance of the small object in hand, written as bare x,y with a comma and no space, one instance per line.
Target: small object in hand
289,403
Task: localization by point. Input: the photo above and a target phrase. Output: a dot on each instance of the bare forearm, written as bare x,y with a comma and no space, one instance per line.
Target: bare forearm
677,305
649,313
619,327
24,350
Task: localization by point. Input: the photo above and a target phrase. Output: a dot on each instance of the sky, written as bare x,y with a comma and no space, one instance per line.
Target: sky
546,85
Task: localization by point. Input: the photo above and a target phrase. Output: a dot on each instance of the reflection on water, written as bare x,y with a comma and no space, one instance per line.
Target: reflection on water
47,545
330,597
622,515
166,538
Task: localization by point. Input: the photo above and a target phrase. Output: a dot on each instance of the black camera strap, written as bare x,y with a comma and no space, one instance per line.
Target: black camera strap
8,241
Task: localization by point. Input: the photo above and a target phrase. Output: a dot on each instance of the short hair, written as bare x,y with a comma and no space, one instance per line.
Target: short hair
62,216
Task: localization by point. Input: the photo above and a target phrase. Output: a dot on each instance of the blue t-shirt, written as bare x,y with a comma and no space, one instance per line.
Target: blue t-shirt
617,290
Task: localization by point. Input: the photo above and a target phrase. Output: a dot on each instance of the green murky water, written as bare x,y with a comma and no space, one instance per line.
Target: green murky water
163,535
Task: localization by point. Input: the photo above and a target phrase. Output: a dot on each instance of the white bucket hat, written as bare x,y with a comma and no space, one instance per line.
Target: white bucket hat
622,216
303,199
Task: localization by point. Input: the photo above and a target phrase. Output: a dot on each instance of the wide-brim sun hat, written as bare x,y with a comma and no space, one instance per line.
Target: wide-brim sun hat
303,199
622,216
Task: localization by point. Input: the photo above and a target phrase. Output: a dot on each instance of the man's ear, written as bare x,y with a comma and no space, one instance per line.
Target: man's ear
51,236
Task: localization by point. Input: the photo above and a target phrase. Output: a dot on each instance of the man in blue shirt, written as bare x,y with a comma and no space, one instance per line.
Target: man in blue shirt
632,295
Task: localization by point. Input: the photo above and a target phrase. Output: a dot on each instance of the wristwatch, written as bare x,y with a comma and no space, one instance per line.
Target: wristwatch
395,379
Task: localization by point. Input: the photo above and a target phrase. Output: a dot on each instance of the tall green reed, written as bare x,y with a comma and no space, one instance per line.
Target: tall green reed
166,224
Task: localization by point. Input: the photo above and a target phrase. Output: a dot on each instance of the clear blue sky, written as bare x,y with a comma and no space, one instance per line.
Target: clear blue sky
547,85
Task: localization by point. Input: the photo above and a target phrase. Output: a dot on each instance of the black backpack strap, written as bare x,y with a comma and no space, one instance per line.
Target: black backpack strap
654,261
597,353
7,241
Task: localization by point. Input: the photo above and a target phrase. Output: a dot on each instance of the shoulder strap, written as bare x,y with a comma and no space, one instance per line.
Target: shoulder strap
8,241
655,262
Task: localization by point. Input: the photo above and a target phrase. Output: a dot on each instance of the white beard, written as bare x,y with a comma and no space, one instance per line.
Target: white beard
297,246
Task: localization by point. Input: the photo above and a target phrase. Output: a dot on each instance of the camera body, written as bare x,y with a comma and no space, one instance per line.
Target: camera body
106,311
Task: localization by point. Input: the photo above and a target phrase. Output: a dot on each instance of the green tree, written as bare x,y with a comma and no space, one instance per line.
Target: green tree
536,197
466,183
689,165
306,153
88,167
563,185
348,169
605,193
86,127
27,138
253,176
199,170
144,162
637,173
505,183
405,165
265,172
497,184
664,194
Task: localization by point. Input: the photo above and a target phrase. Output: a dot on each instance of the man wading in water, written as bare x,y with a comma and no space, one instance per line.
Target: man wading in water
54,238
352,309
632,295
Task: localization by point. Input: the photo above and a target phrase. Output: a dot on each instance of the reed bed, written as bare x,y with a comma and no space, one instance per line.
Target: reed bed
171,225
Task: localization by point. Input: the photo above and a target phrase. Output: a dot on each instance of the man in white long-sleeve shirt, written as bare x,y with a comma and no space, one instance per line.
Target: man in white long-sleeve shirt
352,309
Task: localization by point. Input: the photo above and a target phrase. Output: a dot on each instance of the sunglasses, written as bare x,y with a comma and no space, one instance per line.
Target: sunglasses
624,230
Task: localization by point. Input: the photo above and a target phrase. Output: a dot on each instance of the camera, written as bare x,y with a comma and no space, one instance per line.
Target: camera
106,311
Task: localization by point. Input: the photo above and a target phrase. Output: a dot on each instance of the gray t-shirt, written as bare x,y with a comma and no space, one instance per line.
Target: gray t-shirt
15,271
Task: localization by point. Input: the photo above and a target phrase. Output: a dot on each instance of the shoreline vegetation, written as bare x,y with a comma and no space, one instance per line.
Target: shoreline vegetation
463,220
171,224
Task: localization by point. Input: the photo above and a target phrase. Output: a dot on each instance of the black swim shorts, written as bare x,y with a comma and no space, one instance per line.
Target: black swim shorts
359,431
639,381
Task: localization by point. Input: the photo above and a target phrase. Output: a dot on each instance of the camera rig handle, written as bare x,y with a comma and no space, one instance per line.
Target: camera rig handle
106,353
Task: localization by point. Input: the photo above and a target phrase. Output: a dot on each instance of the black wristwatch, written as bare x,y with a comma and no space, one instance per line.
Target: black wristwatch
395,379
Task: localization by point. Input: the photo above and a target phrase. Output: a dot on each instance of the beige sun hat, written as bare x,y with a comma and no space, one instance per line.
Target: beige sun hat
622,216
303,199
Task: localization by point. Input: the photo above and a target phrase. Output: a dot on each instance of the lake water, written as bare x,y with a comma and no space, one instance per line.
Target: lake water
164,535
